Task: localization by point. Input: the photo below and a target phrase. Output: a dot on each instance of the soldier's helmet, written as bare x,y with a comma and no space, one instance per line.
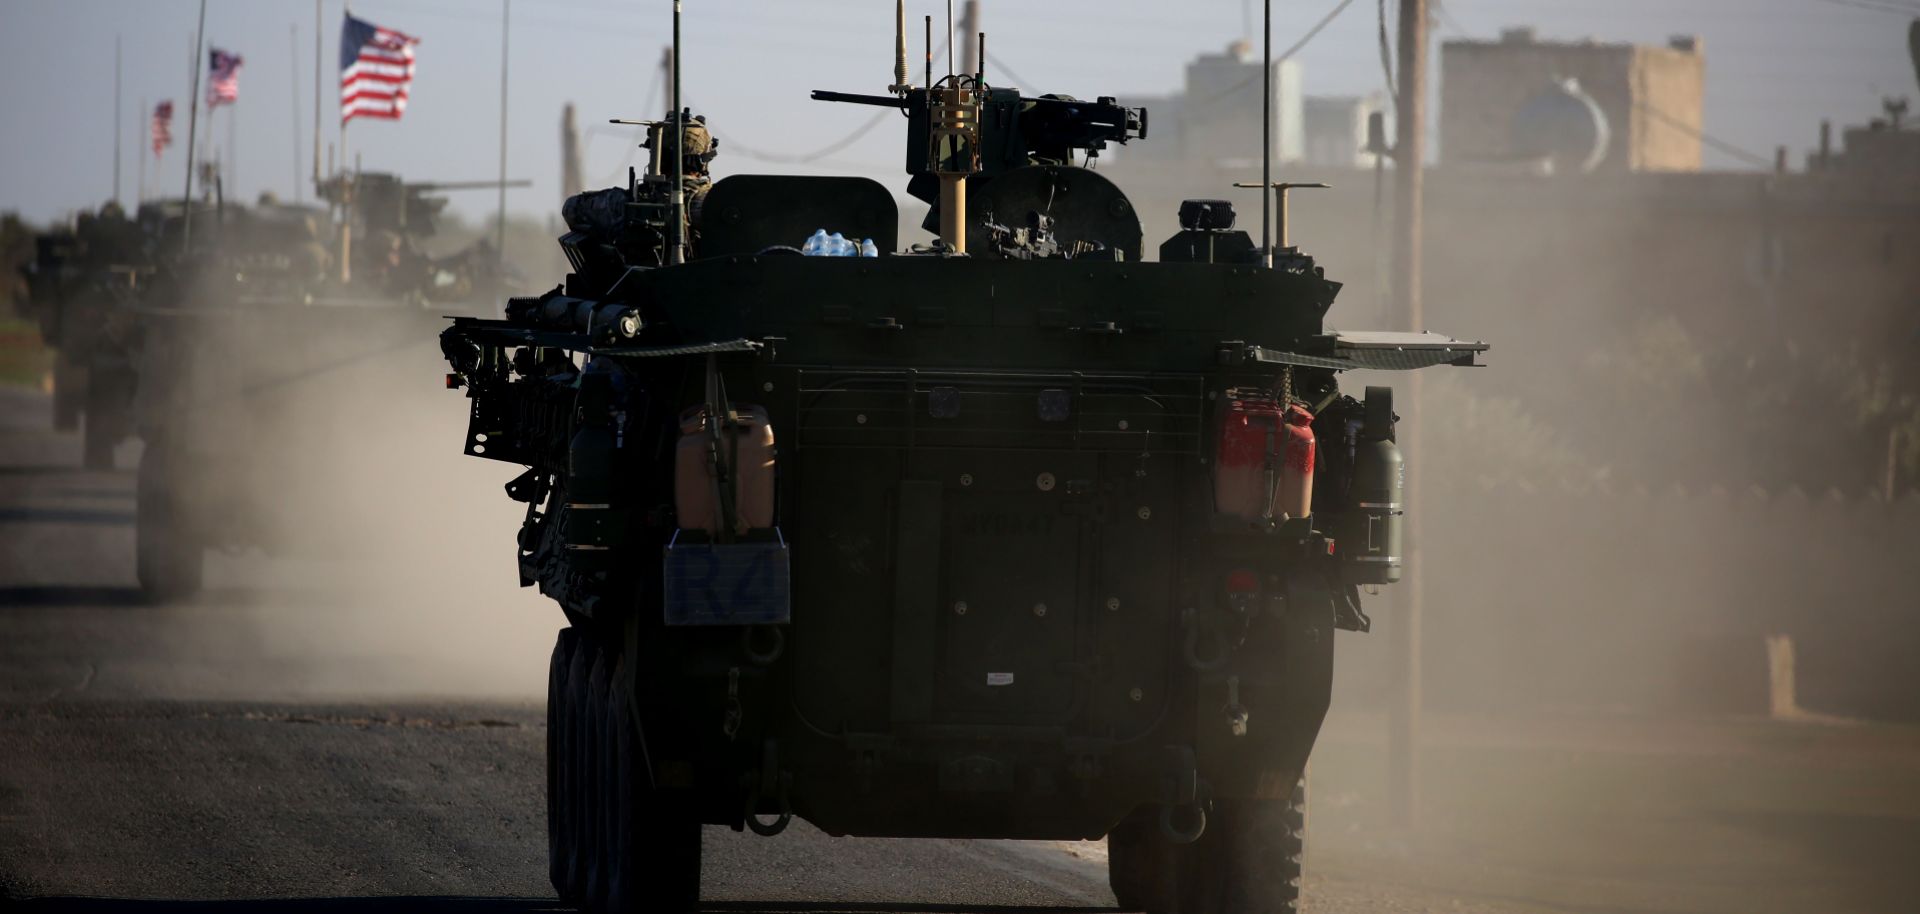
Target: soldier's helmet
698,142
112,211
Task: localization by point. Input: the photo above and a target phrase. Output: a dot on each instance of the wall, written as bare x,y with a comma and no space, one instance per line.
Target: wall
1658,602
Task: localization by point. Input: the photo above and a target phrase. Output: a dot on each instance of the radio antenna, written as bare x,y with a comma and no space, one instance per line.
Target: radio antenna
900,85
949,39
1266,140
677,248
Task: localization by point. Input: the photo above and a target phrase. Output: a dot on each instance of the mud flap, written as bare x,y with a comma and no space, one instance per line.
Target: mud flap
1283,679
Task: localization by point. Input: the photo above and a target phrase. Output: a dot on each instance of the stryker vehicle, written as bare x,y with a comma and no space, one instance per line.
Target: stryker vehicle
78,284
1012,535
261,346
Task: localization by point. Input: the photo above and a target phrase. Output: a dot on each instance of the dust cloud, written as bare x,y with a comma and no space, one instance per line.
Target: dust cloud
378,560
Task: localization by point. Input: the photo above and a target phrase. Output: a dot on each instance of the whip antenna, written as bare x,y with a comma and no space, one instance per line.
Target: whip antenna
900,85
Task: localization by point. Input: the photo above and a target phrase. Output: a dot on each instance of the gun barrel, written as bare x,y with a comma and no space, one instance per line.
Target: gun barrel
434,186
878,101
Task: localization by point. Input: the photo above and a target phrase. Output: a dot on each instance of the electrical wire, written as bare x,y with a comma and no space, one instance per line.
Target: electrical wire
1878,6
1751,158
1318,27
1386,56
744,151
1017,79
736,147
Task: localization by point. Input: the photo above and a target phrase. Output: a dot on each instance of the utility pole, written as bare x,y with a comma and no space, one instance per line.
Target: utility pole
570,182
1403,717
500,229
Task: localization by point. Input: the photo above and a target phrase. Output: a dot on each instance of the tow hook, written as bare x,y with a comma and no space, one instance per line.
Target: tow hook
1236,714
1217,639
1186,793
769,781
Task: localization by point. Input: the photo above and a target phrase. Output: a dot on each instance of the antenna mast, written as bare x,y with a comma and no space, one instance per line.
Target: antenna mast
1266,139
677,247
900,84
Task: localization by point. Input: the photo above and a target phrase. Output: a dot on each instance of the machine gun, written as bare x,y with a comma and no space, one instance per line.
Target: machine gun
1015,130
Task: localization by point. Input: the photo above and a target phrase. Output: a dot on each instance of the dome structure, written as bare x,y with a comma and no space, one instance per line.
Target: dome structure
1563,128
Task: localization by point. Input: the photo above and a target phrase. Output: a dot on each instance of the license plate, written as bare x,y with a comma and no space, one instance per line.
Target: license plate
727,584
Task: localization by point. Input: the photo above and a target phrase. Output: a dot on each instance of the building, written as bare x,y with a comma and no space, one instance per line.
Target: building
1504,102
1215,117
1335,129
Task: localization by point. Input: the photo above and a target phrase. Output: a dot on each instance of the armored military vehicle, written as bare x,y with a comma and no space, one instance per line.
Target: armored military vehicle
1016,534
79,284
264,341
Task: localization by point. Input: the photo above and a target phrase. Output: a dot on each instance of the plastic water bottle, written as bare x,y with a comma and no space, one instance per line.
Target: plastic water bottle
867,249
839,246
816,245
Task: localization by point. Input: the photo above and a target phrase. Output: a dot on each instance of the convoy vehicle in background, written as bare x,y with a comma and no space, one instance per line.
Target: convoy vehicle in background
1017,534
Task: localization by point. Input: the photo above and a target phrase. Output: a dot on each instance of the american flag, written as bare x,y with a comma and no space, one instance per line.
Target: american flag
162,127
223,84
376,66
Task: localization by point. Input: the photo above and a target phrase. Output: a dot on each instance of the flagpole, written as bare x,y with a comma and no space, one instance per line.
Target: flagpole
116,118
293,89
500,230
193,116
317,29
230,173
140,156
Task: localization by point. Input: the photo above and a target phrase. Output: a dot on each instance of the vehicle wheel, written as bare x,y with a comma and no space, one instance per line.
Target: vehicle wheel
69,392
599,780
624,890
572,784
1138,862
1248,860
558,771
654,842
168,558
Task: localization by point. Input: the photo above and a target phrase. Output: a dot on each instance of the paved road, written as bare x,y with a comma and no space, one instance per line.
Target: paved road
364,733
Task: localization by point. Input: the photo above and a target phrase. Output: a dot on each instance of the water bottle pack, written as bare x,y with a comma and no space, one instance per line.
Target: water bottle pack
822,244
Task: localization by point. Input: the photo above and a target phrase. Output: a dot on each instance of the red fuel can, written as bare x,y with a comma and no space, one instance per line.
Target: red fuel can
1263,459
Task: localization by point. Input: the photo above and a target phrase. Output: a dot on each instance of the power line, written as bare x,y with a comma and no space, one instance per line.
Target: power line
1017,79
1878,6
1751,158
807,158
1386,55
1318,27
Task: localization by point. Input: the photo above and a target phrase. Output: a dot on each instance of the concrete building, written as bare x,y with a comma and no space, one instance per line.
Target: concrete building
1215,118
1335,129
1502,101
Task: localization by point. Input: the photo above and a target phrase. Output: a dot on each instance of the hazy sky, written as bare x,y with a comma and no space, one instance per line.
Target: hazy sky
1774,69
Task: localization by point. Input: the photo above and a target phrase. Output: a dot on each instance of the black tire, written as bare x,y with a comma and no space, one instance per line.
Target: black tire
109,399
168,558
599,781
69,392
1248,861
572,798
1139,861
624,890
558,771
